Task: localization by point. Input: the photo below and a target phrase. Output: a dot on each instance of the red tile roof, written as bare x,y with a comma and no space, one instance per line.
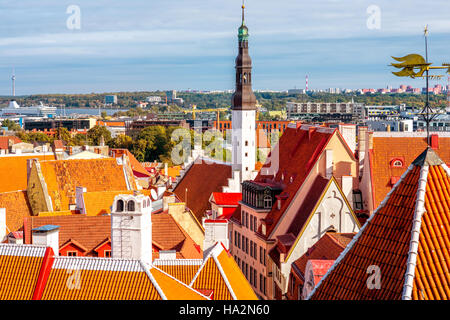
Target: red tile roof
201,180
329,247
298,151
4,141
320,268
227,199
90,231
417,210
138,169
386,149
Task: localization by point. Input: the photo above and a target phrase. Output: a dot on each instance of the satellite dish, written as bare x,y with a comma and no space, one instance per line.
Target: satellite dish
154,194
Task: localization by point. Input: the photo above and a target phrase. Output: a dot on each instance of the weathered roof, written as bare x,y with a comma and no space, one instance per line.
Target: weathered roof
17,208
63,176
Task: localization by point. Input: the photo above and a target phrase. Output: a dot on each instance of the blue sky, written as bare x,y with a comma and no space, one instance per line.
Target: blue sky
191,44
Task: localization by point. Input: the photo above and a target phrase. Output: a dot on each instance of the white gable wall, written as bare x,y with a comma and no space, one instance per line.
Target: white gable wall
332,211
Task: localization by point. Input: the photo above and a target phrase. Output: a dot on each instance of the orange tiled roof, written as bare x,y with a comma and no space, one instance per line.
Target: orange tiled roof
221,274
90,231
182,269
19,271
13,170
417,208
137,167
170,236
386,149
100,202
199,188
17,208
112,279
174,171
63,176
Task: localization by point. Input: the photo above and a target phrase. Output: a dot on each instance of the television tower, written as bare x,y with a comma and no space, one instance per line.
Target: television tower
306,83
13,79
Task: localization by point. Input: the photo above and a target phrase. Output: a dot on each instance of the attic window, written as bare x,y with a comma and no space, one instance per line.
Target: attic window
397,163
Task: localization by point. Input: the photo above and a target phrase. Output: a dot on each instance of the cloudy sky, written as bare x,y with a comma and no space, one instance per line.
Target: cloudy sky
191,44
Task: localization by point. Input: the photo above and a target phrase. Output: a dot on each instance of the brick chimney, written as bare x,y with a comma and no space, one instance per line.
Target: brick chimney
48,236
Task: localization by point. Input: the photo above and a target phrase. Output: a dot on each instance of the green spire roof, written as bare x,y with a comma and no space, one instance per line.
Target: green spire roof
243,30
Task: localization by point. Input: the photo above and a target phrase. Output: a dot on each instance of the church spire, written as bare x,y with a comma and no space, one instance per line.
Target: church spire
243,98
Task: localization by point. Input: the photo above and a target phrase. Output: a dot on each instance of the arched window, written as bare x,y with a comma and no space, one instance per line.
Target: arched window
267,201
397,163
119,206
131,205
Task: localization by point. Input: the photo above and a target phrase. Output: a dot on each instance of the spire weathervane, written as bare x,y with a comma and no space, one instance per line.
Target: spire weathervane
414,65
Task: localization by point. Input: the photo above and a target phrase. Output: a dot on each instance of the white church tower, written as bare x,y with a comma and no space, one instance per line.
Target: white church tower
131,227
243,111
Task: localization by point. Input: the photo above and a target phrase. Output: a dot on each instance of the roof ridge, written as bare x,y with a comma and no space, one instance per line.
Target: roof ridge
224,277
180,282
415,233
428,157
153,280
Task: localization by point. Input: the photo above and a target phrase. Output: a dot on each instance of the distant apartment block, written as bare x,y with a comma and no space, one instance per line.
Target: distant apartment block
325,111
154,99
111,99
69,124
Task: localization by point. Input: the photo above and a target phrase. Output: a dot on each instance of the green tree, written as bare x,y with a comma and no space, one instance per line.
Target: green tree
11,125
95,133
64,134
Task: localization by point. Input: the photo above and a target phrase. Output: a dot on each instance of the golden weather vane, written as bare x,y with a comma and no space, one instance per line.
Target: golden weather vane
414,66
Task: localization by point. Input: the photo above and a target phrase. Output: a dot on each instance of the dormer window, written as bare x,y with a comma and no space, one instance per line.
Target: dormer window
397,163
267,202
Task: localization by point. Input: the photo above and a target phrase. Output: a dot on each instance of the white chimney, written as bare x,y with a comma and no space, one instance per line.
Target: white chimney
215,231
166,169
167,255
329,163
347,188
79,199
131,227
48,236
2,224
348,132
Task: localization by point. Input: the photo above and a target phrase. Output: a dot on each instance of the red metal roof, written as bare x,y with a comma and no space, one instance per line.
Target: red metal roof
227,199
